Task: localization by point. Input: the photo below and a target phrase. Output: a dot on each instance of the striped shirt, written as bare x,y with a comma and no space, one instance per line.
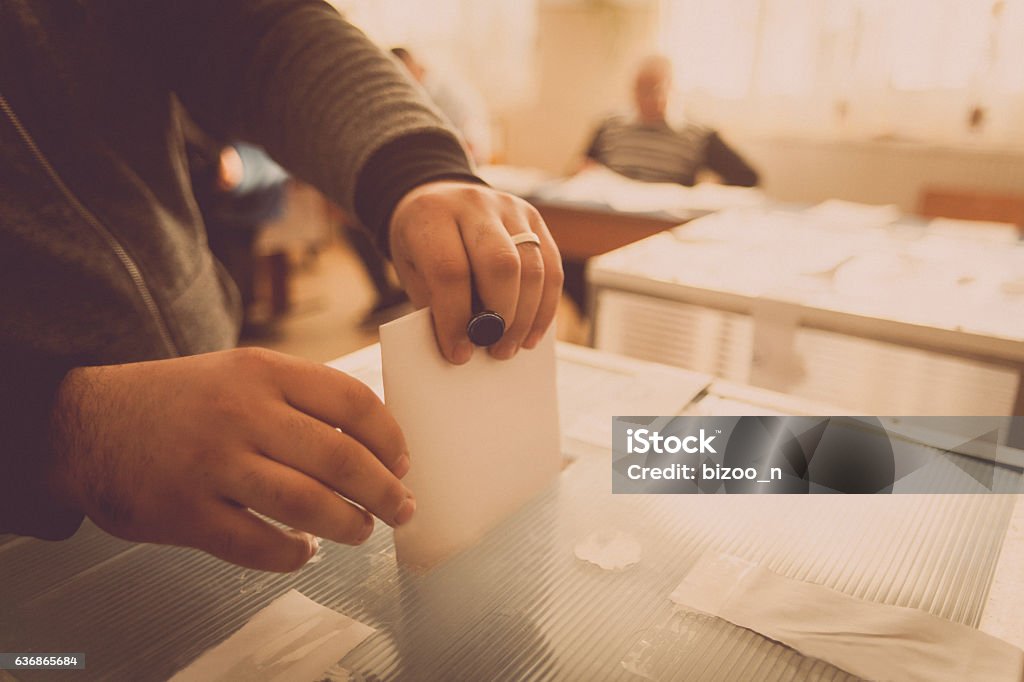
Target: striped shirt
660,153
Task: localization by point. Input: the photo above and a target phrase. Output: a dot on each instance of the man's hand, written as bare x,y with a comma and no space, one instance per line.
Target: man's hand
445,234
184,451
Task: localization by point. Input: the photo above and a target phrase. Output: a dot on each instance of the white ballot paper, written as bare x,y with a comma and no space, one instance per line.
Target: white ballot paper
293,638
483,437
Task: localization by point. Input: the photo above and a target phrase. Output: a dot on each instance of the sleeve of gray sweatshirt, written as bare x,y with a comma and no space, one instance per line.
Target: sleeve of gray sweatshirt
296,78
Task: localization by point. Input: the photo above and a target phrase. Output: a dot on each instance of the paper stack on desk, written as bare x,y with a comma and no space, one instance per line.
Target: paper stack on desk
483,437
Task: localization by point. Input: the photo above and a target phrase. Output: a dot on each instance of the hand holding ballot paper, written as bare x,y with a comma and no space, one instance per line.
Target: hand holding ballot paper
447,238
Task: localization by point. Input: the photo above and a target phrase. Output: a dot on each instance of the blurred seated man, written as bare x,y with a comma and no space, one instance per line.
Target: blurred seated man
645,146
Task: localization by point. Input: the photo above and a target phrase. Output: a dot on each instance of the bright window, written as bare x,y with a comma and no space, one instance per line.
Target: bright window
921,69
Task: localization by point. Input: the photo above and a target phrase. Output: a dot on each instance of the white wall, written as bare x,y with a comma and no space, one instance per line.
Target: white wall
877,172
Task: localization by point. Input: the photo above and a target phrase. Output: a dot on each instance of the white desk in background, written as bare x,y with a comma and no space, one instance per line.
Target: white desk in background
881,318
520,605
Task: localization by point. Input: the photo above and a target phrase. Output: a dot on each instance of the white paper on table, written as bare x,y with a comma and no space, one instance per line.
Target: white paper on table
632,196
483,437
293,638
868,639
520,180
602,185
838,212
713,196
589,185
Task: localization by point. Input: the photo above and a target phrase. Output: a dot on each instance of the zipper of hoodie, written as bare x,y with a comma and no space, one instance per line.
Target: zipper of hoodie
90,218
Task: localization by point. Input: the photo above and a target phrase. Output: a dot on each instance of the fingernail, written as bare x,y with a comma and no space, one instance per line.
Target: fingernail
463,352
367,529
405,512
401,467
314,545
507,352
532,340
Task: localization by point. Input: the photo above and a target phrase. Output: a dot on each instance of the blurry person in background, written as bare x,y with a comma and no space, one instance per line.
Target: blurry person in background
239,189
646,146
463,107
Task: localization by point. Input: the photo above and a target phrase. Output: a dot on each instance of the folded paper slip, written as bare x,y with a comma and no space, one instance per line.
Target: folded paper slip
868,639
293,638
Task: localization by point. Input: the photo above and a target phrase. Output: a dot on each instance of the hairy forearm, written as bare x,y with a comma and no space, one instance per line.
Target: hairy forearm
75,439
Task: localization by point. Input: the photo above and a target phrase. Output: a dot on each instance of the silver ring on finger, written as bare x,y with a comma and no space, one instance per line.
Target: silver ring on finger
526,238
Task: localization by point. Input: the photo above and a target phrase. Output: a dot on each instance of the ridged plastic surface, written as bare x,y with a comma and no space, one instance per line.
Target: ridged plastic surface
520,605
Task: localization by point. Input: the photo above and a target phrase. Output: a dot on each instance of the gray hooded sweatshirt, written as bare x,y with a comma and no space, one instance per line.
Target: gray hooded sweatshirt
103,255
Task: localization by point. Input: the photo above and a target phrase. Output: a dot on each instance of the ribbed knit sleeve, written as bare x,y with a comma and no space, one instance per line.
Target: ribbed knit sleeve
296,78
27,391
